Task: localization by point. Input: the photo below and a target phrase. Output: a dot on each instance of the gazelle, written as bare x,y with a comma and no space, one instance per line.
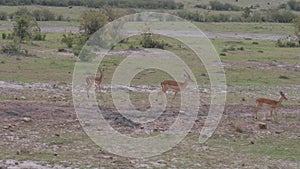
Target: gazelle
272,103
174,85
90,80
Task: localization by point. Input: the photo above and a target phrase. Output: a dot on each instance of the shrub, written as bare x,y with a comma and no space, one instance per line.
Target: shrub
3,16
38,35
61,50
149,42
286,43
216,5
283,77
60,18
201,6
68,39
43,15
10,48
294,5
4,36
282,16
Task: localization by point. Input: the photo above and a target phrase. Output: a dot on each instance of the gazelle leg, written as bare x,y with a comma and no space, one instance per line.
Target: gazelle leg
258,106
87,90
158,94
174,96
271,112
275,114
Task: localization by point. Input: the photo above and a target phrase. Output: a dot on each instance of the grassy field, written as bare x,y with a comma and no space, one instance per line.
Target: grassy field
257,28
68,14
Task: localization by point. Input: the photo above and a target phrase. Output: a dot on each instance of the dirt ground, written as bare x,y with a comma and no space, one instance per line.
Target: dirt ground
45,133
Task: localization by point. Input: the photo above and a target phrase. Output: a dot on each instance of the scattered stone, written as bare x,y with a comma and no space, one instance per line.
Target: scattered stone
262,125
251,142
55,154
8,126
279,131
238,127
205,148
57,134
26,119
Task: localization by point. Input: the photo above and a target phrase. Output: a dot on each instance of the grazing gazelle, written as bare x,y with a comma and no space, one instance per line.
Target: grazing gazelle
90,80
174,85
272,103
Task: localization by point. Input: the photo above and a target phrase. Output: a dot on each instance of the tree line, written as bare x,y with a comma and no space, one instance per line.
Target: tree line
146,4
271,15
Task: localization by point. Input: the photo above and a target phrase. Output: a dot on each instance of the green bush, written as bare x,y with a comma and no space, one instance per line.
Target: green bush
149,42
294,5
11,48
68,39
4,35
286,43
216,5
38,35
3,16
43,15
282,16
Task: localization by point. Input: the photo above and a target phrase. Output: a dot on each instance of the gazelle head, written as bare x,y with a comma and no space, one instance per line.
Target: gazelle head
282,95
188,77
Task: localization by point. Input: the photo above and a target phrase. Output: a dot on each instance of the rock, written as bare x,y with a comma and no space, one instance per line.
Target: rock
27,119
279,131
262,125
238,127
205,148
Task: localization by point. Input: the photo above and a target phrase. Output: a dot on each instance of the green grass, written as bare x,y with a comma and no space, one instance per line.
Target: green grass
257,28
264,51
71,14
242,3
28,69
51,67
274,147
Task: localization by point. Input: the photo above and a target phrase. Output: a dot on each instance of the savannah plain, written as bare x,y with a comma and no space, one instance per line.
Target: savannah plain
39,127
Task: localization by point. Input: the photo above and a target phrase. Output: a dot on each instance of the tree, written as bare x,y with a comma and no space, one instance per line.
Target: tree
24,26
92,20
297,26
111,13
247,12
